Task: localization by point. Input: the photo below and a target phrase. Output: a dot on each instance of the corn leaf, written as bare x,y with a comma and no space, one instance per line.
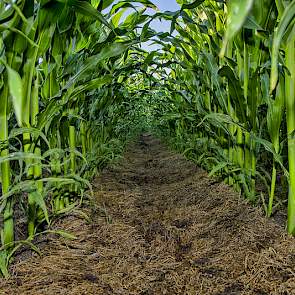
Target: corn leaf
238,11
16,92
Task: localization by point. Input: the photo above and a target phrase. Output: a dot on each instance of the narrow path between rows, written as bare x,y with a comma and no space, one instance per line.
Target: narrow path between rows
161,227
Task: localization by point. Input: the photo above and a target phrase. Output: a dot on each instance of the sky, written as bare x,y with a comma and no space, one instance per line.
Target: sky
166,4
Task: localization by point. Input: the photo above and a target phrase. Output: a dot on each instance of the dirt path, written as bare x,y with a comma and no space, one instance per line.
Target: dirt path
164,227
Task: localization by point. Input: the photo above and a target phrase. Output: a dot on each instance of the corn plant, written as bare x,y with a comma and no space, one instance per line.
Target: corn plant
62,70
234,62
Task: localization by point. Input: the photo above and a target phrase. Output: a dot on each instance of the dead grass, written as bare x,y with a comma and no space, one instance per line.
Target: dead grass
161,227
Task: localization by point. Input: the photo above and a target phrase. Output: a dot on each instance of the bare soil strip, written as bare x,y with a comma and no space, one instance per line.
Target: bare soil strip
162,227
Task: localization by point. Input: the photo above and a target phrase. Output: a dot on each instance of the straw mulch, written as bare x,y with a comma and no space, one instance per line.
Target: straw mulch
161,226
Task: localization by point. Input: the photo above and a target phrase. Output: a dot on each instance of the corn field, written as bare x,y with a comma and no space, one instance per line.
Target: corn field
76,85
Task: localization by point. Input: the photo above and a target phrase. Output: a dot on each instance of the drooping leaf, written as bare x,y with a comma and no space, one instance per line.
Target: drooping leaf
238,11
87,9
192,5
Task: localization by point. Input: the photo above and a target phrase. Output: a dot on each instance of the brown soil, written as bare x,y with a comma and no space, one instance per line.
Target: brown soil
162,227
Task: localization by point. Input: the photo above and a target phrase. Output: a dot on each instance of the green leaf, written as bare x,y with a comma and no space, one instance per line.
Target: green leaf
87,9
270,148
252,24
92,84
26,242
117,17
19,156
36,133
16,91
38,198
62,233
127,3
218,167
192,5
219,120
238,11
106,3
109,51
3,263
286,20
235,91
